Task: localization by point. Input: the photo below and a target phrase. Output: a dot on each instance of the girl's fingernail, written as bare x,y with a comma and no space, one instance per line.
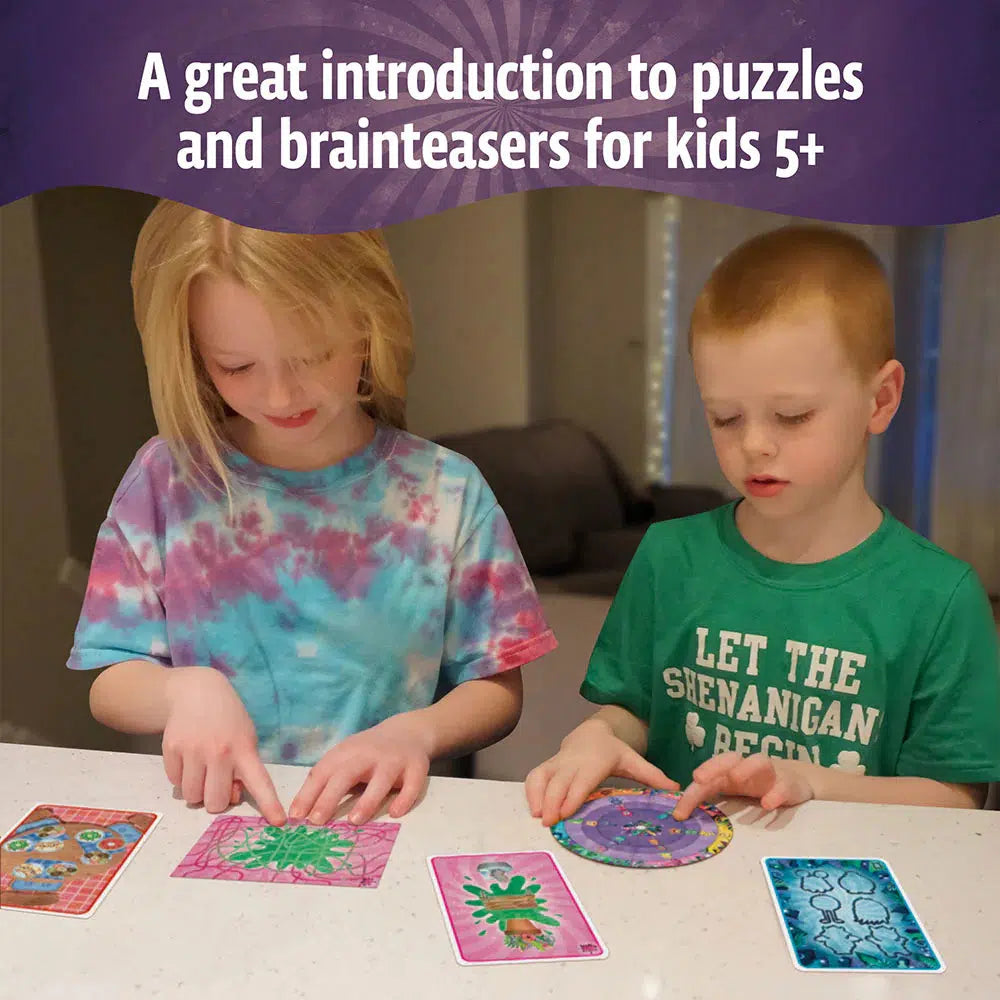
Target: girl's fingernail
316,818
355,818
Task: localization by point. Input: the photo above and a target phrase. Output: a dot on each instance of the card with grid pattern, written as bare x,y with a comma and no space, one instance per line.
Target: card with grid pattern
63,859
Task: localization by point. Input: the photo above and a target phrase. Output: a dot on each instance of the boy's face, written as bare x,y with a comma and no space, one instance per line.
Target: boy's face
788,414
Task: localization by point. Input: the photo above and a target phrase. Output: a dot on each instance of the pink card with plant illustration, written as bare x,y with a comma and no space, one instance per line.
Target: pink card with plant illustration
512,908
249,849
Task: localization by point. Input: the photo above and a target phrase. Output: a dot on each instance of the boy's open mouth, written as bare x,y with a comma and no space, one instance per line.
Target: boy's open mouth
765,486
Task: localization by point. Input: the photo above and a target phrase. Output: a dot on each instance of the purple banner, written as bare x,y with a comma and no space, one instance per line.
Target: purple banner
283,115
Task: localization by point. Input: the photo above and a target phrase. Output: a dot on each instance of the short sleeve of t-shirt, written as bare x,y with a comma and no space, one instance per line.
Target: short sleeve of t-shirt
123,616
953,731
493,619
622,661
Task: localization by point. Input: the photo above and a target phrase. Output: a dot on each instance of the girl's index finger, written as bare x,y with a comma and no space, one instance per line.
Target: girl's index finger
257,782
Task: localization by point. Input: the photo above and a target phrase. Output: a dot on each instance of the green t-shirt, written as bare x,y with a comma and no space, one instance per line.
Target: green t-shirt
881,661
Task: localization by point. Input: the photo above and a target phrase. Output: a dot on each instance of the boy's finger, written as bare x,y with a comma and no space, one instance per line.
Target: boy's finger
690,798
636,767
535,785
777,796
753,768
693,796
716,766
555,795
252,773
583,783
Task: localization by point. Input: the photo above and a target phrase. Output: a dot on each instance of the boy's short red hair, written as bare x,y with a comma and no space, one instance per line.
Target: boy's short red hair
801,267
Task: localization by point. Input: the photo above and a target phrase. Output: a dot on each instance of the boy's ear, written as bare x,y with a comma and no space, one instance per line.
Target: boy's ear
888,392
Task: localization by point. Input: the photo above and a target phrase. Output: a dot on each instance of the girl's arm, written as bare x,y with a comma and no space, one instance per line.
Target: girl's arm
209,740
132,696
396,753
474,715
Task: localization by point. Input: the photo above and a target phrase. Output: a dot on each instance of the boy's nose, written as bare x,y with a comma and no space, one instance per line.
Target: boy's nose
757,441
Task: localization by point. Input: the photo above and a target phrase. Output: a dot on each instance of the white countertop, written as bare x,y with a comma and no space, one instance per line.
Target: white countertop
705,931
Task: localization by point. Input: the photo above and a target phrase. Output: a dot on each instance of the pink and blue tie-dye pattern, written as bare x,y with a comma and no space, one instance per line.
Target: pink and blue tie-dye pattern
331,599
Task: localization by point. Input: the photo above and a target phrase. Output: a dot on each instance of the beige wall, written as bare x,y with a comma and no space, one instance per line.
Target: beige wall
966,486
38,613
591,338
531,306
87,236
466,274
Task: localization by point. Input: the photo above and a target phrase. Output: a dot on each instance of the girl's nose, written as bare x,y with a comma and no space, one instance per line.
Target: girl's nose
282,391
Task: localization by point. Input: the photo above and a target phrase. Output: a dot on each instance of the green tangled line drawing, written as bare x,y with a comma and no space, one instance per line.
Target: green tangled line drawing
317,850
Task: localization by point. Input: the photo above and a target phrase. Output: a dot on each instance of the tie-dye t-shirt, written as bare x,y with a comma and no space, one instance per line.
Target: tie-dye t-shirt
331,599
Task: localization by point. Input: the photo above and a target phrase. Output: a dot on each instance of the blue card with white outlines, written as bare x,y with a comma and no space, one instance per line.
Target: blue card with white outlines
848,915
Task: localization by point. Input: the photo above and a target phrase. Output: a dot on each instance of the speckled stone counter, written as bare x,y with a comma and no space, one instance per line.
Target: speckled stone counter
706,931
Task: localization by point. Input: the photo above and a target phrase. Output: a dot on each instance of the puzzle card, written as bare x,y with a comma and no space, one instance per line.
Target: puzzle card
848,914
512,908
249,849
64,859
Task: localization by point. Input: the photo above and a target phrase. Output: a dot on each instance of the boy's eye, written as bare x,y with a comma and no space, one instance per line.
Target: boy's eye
795,418
238,370
724,421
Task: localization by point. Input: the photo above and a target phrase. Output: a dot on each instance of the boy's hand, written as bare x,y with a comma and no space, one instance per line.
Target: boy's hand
210,744
591,753
775,782
393,754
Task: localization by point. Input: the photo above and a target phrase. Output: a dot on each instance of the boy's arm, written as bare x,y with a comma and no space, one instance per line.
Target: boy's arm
620,722
842,786
777,782
610,742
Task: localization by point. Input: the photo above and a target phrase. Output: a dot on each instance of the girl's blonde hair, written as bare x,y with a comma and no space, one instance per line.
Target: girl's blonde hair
316,278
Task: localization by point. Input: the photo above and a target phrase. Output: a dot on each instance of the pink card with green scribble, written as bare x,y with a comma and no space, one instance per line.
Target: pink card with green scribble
515,907
249,849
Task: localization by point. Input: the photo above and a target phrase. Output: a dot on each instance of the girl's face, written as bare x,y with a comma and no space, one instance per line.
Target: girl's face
298,402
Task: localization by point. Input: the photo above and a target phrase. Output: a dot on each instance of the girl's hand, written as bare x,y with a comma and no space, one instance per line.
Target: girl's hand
591,753
775,782
210,744
393,754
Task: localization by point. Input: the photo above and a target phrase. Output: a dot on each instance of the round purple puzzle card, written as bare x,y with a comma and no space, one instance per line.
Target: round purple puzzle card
635,828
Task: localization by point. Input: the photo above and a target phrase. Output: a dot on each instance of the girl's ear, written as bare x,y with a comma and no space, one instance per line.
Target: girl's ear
888,393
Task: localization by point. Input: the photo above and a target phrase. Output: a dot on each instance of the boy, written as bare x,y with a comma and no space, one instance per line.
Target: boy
799,643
